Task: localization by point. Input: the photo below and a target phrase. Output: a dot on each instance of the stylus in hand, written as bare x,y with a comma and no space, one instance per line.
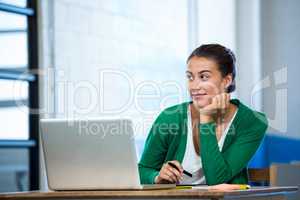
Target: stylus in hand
185,172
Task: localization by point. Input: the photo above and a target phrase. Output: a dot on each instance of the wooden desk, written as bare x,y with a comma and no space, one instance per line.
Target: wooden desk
274,193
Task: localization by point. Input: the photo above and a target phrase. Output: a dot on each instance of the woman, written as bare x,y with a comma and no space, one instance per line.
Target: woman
213,137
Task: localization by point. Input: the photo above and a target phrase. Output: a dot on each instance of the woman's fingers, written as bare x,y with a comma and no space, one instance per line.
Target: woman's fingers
225,187
217,103
222,100
211,108
166,175
219,100
227,101
178,165
163,176
176,173
171,175
177,170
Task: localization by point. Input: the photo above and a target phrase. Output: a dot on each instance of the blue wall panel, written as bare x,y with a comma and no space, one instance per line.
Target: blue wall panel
276,149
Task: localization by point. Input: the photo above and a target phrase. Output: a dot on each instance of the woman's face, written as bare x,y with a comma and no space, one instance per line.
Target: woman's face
205,80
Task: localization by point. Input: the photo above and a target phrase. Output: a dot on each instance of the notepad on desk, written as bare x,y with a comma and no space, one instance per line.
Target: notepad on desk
222,187
192,186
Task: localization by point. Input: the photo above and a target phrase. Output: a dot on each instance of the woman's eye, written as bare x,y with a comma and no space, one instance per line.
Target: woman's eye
189,77
204,77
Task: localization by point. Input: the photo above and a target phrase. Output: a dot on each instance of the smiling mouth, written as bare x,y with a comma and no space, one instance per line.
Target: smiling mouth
198,95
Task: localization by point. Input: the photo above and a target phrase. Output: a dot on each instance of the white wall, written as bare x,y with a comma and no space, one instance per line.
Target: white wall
280,60
248,52
140,45
216,22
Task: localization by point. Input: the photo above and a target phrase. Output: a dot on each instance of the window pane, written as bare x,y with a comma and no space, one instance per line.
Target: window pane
20,3
10,21
14,170
13,90
13,50
14,124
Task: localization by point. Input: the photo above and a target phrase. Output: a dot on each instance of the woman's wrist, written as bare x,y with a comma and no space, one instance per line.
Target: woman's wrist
156,179
206,119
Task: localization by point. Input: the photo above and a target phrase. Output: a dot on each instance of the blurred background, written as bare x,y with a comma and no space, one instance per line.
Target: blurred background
127,58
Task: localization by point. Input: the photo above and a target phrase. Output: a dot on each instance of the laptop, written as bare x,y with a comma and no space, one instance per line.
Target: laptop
93,154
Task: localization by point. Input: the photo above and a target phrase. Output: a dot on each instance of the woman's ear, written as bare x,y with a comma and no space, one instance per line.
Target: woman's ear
227,80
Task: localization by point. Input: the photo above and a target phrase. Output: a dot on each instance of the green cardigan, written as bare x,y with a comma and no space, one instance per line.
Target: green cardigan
167,141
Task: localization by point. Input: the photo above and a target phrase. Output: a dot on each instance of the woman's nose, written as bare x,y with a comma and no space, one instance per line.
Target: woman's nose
195,84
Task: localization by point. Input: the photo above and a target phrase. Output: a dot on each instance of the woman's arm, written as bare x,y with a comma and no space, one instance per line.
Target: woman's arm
147,174
160,146
222,167
154,152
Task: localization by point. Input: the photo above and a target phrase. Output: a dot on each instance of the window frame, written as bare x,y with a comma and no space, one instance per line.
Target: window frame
28,74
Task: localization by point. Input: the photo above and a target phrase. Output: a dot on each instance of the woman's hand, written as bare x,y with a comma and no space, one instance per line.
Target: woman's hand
219,103
169,174
227,187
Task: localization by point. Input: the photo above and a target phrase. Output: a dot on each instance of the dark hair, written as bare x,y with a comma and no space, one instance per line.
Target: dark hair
223,56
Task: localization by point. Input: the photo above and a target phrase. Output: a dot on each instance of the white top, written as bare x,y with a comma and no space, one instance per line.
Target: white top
191,160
